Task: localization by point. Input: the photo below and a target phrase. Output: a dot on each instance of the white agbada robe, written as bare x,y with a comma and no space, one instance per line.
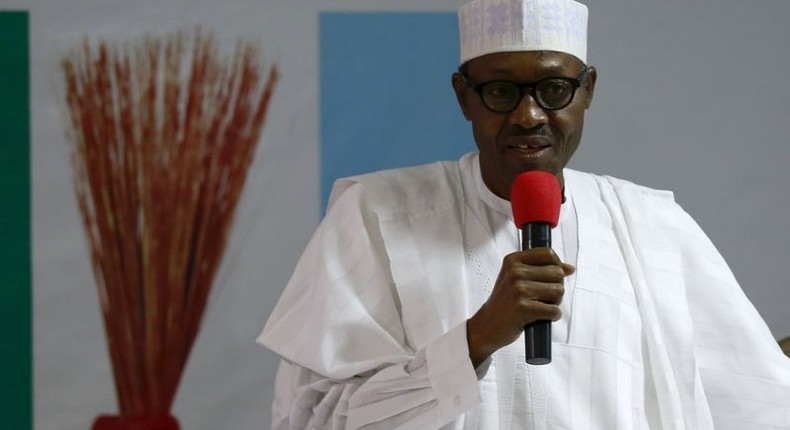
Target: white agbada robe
655,333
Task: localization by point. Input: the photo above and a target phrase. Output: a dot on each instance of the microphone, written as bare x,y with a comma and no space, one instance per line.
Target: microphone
535,198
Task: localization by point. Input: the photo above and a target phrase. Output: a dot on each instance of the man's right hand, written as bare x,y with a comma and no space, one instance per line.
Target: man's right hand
529,288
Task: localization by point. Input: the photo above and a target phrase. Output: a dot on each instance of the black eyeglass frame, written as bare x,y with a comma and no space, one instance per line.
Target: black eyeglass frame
525,88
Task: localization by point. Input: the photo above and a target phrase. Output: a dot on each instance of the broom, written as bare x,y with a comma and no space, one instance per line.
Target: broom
163,132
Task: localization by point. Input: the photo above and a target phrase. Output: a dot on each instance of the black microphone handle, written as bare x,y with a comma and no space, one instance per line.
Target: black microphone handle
537,335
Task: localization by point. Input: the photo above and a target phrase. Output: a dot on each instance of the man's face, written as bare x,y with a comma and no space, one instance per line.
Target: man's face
529,137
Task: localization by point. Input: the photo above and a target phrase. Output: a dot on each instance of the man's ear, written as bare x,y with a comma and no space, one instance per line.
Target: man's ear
460,95
589,85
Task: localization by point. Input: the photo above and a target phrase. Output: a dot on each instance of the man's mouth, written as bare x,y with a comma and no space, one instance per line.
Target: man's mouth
531,151
530,147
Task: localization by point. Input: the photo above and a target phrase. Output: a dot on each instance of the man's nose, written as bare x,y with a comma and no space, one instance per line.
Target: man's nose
528,113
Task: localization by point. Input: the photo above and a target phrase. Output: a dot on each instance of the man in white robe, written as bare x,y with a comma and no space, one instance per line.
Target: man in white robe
406,306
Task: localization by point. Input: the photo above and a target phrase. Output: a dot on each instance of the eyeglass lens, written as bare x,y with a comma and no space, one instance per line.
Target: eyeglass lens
503,96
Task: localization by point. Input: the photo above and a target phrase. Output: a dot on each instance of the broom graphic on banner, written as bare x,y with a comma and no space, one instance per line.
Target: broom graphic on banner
164,131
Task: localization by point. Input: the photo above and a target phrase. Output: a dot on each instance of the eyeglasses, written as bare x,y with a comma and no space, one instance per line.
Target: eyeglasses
504,96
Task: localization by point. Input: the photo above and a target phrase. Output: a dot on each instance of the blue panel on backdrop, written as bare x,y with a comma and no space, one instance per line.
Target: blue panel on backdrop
386,98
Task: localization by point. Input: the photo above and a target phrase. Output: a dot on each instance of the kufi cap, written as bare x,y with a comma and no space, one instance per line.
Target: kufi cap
488,26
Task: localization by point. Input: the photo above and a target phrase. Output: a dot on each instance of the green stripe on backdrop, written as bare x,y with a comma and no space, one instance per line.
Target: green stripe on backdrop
16,394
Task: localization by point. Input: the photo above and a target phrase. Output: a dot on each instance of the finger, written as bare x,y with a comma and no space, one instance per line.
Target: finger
542,311
537,257
545,292
568,268
540,273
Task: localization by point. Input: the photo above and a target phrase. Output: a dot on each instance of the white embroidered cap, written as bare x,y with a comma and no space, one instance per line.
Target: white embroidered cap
488,26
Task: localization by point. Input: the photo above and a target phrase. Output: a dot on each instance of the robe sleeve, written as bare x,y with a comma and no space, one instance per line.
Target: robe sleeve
347,362
745,375
712,333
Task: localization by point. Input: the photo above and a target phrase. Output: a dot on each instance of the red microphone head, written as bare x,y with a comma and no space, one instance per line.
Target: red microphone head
536,197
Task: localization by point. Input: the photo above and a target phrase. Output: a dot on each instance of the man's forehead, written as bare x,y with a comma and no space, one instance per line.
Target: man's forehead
524,62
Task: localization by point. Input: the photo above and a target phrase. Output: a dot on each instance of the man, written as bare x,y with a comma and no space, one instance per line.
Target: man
405,308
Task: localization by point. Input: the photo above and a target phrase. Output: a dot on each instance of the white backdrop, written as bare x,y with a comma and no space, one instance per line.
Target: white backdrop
692,96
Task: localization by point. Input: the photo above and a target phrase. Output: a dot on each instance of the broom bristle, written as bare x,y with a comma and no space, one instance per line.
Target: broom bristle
163,139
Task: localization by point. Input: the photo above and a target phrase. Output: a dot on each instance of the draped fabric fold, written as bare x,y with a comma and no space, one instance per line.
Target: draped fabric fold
712,359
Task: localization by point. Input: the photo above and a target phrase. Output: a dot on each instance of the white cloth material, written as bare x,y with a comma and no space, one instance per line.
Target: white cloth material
655,333
489,26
